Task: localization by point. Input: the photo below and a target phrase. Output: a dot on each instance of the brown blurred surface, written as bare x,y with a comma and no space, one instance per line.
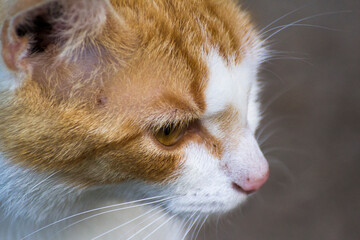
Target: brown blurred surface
314,188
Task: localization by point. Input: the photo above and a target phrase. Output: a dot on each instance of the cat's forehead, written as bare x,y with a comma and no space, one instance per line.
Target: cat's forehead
194,60
229,84
171,94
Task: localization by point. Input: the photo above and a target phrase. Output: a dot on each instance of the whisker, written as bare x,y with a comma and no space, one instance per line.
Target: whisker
124,224
217,227
267,137
189,221
38,184
277,164
146,219
304,25
280,18
272,51
202,224
161,225
183,222
114,210
282,56
277,149
157,219
269,124
273,73
273,54
277,96
191,225
291,58
193,232
88,211
303,19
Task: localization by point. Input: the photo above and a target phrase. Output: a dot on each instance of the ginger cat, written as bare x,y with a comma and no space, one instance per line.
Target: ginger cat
125,119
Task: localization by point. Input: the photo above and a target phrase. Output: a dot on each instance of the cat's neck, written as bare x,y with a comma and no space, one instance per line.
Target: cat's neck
22,188
43,200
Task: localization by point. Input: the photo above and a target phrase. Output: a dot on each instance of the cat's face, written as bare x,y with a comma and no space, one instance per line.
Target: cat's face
158,93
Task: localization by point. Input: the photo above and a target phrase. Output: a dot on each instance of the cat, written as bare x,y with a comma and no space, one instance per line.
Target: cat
126,119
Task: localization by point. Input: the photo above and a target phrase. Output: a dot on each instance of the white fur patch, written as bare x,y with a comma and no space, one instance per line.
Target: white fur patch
224,85
253,115
228,84
203,186
8,80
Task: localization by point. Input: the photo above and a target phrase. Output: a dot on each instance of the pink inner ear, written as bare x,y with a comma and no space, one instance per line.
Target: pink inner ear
13,49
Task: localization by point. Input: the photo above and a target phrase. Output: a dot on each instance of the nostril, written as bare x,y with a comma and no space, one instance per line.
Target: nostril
240,189
251,183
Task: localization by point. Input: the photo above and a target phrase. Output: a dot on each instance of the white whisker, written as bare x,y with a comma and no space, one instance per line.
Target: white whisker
267,137
280,18
147,218
303,19
191,225
277,164
269,124
161,225
303,25
114,210
88,211
202,224
124,224
188,221
38,184
183,222
291,58
217,227
277,96
193,232
142,229
277,149
273,73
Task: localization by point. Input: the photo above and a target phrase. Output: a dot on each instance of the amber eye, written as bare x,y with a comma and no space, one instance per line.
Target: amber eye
169,135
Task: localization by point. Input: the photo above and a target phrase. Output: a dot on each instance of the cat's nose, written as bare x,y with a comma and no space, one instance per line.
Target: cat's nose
246,165
251,183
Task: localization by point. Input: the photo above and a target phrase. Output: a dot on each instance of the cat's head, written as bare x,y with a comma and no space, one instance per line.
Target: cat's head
156,92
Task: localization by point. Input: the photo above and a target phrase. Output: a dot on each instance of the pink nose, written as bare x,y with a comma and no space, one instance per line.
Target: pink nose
246,165
252,183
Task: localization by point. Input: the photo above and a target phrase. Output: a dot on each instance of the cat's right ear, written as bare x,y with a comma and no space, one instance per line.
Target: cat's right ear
13,48
62,27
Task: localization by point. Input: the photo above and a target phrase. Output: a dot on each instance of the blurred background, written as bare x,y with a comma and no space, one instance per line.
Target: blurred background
312,134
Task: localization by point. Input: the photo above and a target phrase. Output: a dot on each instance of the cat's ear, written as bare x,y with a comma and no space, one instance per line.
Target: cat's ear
60,26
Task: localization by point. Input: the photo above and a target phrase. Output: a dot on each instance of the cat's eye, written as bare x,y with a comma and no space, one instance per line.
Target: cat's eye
170,134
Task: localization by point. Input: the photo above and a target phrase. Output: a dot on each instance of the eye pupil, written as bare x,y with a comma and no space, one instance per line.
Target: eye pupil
167,131
169,134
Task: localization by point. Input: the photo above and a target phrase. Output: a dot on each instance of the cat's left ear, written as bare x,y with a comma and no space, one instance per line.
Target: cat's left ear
63,26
